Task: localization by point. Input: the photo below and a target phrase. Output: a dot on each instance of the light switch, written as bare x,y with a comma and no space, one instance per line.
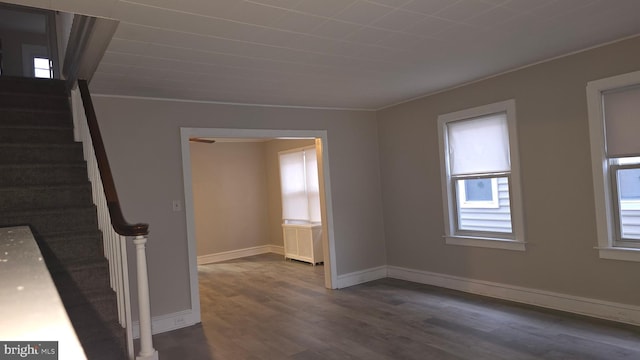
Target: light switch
177,205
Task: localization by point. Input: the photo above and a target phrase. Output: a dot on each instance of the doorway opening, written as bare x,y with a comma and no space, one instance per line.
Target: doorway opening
28,42
317,138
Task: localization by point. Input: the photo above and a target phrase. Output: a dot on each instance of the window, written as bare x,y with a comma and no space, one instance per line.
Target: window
480,177
478,193
299,184
42,68
614,107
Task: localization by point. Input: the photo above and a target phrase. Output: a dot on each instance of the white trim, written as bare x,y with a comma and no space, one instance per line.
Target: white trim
629,314
330,270
362,276
515,193
167,322
619,253
239,253
605,217
503,244
228,103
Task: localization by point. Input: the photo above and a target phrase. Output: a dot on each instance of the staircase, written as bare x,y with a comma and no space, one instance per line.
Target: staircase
43,184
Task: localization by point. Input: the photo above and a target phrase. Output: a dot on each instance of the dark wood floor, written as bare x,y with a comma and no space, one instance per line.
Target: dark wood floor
262,307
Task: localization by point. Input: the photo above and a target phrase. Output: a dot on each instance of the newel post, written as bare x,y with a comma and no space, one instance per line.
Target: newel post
147,352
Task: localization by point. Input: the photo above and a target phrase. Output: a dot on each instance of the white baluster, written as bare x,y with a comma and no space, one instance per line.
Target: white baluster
147,352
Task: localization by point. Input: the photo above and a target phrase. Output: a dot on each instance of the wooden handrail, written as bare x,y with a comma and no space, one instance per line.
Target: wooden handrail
120,225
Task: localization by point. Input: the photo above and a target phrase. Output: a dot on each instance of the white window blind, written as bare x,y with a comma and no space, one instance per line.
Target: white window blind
479,145
622,122
299,183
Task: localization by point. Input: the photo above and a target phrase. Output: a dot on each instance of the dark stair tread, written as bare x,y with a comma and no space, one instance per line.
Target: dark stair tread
41,145
87,295
48,165
56,95
61,127
35,135
35,117
29,101
73,239
85,323
88,241
43,174
44,94
82,264
21,110
78,276
41,197
37,153
86,184
39,213
44,111
103,300
62,235
104,305
46,168
26,116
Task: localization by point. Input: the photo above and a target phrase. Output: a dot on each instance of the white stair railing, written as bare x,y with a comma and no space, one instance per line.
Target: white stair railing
115,233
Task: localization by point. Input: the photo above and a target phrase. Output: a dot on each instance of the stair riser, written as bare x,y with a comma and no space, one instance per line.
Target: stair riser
18,101
69,249
93,278
44,198
43,175
39,155
81,220
105,308
34,118
32,86
31,135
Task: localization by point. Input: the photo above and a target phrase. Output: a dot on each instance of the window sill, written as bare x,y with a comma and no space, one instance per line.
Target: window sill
491,243
619,253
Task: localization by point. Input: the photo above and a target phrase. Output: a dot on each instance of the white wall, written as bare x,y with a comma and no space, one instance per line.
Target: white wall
142,138
229,196
553,133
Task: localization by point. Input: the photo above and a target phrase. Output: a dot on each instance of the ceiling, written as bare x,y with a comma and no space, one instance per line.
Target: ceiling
358,54
23,21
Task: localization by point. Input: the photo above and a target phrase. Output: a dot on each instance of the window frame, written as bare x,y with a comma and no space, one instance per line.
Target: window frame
619,240
452,235
607,221
465,203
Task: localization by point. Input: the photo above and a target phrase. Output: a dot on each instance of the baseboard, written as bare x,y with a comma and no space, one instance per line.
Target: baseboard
361,276
623,313
607,310
276,249
240,253
167,322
